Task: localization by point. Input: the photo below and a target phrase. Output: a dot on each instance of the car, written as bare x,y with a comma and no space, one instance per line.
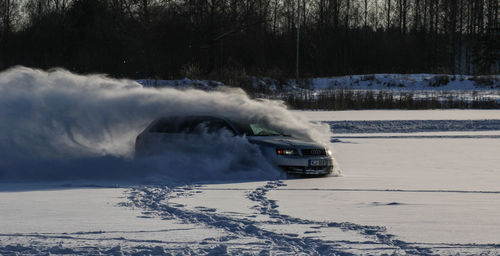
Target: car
292,155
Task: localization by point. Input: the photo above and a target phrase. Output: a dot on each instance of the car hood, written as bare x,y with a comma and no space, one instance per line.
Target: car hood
282,142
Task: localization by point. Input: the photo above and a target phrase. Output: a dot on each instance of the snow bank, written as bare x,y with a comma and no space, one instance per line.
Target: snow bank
385,82
437,82
181,83
423,83
57,125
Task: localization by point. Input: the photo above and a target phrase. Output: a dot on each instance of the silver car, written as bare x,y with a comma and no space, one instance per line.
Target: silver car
292,155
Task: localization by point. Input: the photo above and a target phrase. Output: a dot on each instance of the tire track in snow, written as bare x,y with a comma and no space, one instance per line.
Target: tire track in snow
398,190
157,199
270,208
337,139
88,250
374,190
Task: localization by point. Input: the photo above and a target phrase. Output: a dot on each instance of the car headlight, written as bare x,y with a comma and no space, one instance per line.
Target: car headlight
287,152
328,152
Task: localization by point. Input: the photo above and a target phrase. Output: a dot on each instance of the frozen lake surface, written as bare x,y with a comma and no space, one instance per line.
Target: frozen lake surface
409,190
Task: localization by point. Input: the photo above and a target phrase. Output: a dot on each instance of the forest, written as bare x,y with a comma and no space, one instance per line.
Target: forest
222,38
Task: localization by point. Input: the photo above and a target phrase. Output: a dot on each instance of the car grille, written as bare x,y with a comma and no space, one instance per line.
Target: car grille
314,152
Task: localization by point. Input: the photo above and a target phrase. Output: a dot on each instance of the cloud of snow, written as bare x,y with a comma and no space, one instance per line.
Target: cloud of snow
58,125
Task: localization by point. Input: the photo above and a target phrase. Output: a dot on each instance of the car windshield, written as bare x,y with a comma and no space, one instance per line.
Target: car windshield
254,129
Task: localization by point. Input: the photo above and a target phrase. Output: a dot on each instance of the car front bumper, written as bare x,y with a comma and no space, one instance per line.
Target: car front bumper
307,170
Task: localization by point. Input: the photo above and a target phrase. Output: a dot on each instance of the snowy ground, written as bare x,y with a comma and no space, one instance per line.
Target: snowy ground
414,182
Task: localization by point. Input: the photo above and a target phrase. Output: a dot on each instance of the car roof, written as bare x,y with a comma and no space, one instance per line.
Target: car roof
190,116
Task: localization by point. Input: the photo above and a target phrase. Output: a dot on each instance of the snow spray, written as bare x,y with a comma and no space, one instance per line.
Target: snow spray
57,125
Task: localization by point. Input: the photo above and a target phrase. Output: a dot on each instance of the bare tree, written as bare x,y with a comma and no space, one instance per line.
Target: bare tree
388,8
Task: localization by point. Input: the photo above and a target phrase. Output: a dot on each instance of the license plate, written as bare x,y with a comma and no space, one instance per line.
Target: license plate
319,162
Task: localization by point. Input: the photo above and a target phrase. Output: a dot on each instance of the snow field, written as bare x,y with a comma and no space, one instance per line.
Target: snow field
407,187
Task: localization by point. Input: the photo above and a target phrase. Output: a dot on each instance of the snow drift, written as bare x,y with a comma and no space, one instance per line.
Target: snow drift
57,125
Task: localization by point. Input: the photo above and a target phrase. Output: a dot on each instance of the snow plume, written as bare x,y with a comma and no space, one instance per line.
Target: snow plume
57,125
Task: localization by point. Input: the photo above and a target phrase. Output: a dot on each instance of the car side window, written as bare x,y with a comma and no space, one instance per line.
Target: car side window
190,125
210,125
165,125
217,126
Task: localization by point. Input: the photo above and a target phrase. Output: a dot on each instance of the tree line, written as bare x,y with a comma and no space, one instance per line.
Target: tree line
224,38
346,99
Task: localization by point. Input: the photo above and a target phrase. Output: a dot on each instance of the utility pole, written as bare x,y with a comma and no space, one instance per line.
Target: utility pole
298,43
